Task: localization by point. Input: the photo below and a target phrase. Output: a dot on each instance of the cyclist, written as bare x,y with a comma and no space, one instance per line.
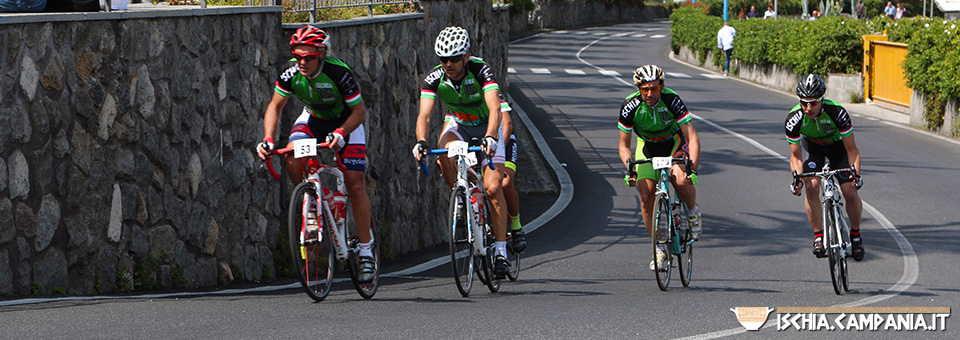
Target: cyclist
819,129
469,89
660,120
333,107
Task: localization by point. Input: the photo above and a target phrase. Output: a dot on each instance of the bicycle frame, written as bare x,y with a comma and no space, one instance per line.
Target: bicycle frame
466,158
312,170
663,165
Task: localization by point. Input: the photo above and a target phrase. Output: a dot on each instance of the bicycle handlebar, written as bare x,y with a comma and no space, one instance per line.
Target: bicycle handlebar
423,164
284,151
858,182
631,164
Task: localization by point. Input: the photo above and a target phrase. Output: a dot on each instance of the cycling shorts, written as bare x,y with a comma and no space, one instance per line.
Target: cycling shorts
511,153
353,156
675,146
814,155
467,133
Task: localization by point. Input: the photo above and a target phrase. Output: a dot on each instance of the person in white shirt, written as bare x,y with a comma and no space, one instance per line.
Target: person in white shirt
725,43
770,13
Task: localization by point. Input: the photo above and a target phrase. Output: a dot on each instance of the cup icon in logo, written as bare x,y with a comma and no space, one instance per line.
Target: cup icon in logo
752,318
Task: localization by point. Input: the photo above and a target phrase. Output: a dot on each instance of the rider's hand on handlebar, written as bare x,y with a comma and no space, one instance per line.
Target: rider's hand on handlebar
264,148
336,139
420,150
490,143
796,184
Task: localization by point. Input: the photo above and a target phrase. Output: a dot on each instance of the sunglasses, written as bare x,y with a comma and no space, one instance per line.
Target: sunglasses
649,90
454,59
808,102
306,56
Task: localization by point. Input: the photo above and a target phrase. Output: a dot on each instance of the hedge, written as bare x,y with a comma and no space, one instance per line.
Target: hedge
830,45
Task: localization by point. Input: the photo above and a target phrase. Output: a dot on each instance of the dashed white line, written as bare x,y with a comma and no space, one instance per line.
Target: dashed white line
600,33
560,32
581,33
712,76
678,75
610,73
511,70
658,36
639,35
576,72
540,71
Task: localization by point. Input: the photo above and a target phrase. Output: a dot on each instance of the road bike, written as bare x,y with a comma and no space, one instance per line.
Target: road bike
321,228
669,229
836,230
471,245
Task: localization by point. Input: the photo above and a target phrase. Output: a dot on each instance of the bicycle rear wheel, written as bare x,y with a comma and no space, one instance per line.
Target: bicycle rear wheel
514,259
685,258
661,236
461,244
365,289
845,237
835,254
313,258
492,282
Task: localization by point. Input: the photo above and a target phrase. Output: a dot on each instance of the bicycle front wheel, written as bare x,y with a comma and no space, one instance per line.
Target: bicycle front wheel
314,256
661,239
834,253
845,237
685,258
461,241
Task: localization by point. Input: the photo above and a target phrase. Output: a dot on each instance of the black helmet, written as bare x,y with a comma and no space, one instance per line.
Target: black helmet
811,86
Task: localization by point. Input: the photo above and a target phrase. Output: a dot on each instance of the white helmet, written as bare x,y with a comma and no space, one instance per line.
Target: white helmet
452,41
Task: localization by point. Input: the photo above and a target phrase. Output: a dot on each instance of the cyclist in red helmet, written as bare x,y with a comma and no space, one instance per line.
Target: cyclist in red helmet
332,106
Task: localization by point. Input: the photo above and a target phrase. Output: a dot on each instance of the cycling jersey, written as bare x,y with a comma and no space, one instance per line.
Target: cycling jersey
657,124
830,126
465,98
328,94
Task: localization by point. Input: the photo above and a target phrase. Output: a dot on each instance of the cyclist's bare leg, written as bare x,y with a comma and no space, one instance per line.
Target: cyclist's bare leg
356,185
647,188
447,167
854,206
493,181
812,203
510,192
685,189
294,167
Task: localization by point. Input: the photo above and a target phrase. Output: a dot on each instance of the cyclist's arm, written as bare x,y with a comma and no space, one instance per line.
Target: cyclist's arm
272,117
796,164
693,144
853,154
624,148
358,114
492,98
423,119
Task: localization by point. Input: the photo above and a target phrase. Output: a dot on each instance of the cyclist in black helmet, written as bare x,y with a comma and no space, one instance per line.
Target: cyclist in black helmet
819,129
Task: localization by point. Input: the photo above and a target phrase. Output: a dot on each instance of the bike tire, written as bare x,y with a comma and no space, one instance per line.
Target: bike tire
844,265
314,260
833,254
492,283
661,232
514,259
460,241
365,289
685,258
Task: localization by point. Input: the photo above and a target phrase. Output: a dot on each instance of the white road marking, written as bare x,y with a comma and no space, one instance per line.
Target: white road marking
576,72
610,73
679,75
712,76
540,71
511,70
639,35
658,36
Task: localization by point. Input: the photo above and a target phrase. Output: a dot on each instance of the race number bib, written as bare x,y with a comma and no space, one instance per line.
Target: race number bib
661,162
458,148
305,147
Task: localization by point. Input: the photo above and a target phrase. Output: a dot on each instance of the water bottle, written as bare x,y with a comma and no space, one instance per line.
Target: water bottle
338,206
476,200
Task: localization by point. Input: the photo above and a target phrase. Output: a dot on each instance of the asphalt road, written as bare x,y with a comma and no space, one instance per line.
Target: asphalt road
585,274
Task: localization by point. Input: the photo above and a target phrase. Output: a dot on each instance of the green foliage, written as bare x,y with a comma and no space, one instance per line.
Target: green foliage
145,273
124,280
36,288
267,271
343,13
177,279
520,6
828,45
281,256
58,290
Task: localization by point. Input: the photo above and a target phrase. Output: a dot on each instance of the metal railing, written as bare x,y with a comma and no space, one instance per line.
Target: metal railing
311,6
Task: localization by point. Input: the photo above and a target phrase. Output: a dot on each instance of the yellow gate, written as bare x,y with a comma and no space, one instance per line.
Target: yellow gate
884,81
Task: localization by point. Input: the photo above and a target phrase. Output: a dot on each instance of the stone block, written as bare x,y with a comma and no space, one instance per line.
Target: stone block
49,222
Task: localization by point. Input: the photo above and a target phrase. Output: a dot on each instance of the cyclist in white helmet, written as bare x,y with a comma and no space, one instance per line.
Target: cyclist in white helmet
663,127
469,89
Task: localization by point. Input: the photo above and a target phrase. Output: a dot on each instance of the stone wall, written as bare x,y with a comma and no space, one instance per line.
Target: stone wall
122,138
560,14
951,115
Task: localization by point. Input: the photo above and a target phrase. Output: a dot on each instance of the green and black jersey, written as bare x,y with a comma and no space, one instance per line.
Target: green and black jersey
328,94
653,124
465,98
830,126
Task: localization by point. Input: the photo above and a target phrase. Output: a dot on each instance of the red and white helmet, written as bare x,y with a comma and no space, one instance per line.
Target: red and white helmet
312,36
